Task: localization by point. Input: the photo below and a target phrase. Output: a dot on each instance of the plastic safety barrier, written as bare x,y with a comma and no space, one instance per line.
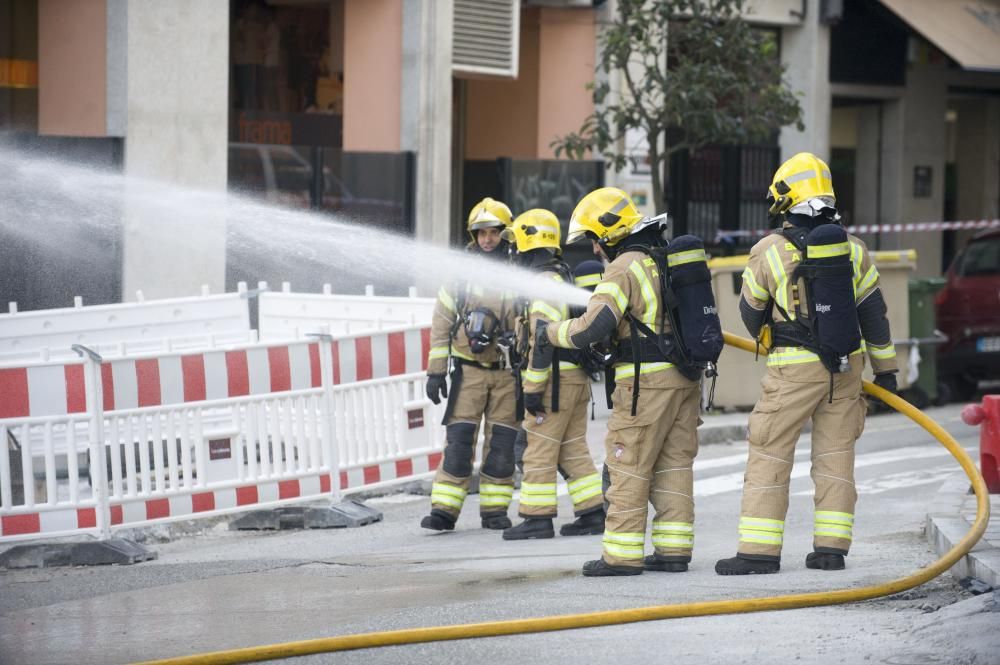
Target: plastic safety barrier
180,435
287,315
615,617
127,328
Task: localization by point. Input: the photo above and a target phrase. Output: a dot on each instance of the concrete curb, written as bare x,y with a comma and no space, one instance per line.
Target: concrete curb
951,514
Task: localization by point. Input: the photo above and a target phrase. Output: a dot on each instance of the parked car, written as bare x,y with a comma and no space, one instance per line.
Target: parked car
968,312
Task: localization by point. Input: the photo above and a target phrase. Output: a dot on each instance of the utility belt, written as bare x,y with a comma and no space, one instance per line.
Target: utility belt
786,333
475,363
639,349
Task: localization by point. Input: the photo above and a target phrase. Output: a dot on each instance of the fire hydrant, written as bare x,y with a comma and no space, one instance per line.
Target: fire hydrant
988,415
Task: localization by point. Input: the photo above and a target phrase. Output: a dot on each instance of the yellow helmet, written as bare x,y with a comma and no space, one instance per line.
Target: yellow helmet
533,229
801,182
488,213
608,213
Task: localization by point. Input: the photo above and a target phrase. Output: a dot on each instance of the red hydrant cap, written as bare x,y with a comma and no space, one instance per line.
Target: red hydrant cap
973,414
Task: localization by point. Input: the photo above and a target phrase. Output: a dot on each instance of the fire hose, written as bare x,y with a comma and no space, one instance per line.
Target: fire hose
653,613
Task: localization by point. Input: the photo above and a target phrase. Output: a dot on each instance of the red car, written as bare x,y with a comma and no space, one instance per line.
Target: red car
968,312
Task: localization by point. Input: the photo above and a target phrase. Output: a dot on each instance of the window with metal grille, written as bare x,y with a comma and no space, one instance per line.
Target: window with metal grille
486,36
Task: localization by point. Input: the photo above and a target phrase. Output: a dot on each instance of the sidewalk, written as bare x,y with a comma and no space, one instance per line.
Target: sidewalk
951,515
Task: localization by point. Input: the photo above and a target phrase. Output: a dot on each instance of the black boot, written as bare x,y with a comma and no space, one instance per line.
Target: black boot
743,564
590,524
601,568
532,527
666,564
438,520
825,561
497,521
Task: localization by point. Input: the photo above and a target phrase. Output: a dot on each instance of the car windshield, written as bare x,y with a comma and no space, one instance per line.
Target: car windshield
981,258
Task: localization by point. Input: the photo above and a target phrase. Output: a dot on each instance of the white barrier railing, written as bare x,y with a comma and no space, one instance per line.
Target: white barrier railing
176,436
127,328
287,315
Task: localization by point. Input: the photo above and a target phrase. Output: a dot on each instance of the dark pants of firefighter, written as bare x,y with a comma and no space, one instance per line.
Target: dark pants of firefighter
560,441
787,402
649,458
489,393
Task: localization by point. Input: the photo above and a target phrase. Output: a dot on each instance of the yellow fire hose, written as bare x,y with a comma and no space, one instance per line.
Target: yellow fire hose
593,619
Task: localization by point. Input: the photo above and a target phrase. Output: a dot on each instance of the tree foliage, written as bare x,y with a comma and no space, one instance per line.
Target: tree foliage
692,73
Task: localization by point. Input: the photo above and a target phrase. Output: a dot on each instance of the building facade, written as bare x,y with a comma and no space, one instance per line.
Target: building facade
401,113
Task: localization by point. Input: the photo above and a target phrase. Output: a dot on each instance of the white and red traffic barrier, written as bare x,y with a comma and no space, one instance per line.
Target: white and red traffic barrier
179,435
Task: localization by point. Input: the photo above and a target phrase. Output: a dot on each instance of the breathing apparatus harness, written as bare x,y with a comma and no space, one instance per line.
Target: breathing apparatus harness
482,327
695,340
828,329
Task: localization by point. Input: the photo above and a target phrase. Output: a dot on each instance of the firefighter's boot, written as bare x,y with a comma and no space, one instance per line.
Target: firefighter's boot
743,564
601,568
825,561
666,564
438,520
591,524
532,527
498,522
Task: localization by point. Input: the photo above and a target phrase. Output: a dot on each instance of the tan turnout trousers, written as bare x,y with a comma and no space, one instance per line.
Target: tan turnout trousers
788,401
483,393
560,441
650,457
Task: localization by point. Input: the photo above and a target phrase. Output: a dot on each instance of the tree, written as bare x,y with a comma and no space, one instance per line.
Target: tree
693,73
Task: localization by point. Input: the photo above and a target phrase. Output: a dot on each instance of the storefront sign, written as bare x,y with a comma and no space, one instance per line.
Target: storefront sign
316,129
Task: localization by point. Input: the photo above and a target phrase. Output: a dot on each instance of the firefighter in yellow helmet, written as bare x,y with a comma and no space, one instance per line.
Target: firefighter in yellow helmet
555,399
652,438
811,296
468,322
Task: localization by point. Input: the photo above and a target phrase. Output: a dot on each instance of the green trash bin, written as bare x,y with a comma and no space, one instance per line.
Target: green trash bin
922,329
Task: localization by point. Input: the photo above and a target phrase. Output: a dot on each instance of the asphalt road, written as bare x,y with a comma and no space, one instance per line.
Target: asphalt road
215,589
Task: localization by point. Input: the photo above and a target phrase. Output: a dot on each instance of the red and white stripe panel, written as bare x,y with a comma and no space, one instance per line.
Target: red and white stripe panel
361,476
380,356
43,390
178,379
177,506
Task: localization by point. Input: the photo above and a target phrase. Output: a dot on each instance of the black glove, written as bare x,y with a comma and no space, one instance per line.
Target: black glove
533,403
541,354
437,387
886,381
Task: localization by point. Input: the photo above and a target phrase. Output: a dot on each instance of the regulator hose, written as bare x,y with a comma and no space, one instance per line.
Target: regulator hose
654,613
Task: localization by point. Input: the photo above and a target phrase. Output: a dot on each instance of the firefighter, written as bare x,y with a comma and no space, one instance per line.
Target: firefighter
652,438
555,399
811,296
468,322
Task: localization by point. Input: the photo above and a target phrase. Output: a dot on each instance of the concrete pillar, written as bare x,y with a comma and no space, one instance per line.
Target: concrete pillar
977,161
866,165
425,109
914,139
805,52
177,133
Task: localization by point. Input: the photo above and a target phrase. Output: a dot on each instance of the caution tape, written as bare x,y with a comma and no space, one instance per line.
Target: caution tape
877,228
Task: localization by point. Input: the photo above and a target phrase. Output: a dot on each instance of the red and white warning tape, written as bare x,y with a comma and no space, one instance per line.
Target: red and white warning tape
878,228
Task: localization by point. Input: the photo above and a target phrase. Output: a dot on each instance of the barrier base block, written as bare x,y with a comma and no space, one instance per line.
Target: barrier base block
336,516
116,551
